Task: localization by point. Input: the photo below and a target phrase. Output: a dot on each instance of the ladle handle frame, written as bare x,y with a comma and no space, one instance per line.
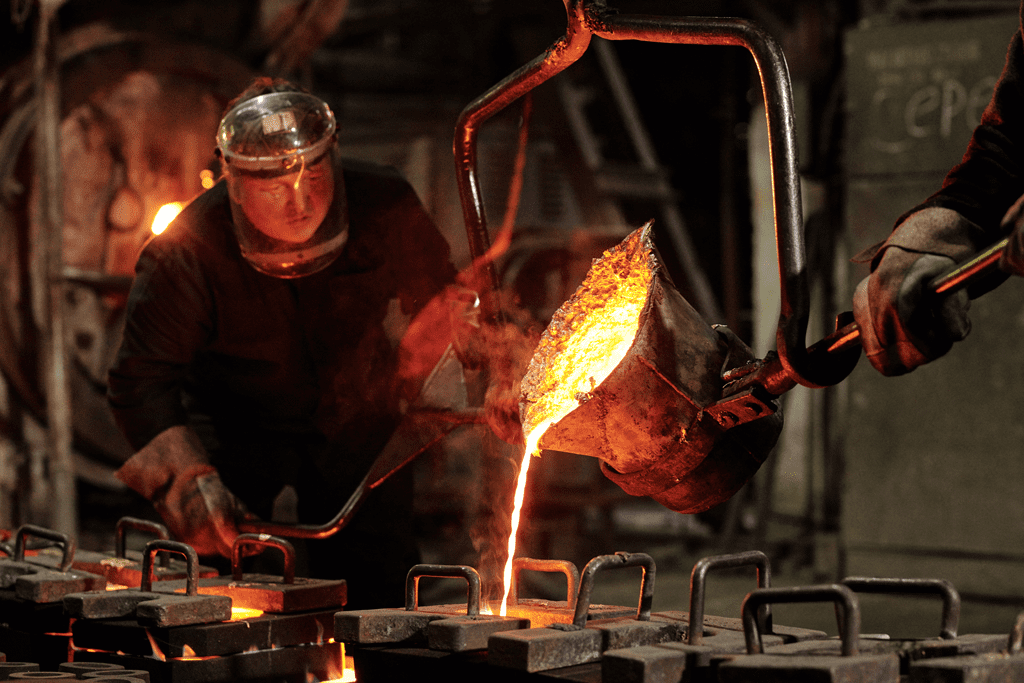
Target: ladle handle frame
587,18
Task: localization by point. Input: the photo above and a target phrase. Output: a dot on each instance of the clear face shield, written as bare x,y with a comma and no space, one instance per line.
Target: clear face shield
288,206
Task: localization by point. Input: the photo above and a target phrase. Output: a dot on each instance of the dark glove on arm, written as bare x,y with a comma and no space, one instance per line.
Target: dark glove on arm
1012,259
174,472
902,325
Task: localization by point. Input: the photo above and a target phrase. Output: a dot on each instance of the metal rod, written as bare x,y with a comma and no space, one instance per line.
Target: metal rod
590,19
914,586
559,56
961,276
616,561
60,502
847,612
698,581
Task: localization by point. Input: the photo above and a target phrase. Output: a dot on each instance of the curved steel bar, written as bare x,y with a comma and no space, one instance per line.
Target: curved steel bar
472,577
264,541
137,524
590,19
572,576
847,612
314,531
941,587
191,564
66,542
698,579
616,561
778,98
563,53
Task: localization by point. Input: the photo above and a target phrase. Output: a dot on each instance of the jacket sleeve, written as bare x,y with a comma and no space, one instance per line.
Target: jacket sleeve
424,254
990,176
168,318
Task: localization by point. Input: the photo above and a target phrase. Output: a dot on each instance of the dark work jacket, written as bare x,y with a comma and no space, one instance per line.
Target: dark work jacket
286,381
990,177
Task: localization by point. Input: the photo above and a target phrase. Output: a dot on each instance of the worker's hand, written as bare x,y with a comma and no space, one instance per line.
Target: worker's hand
1012,259
174,472
902,325
200,511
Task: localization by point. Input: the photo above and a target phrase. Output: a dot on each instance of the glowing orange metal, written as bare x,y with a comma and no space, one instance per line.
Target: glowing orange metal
164,215
577,352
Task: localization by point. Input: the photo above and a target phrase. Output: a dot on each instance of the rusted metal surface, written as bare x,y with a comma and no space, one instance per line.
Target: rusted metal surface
122,570
8,668
79,669
267,631
649,421
462,634
698,581
572,577
717,641
937,587
150,607
583,641
947,643
541,649
408,625
315,661
849,667
472,577
35,583
619,560
445,628
1006,666
266,592
654,663
132,675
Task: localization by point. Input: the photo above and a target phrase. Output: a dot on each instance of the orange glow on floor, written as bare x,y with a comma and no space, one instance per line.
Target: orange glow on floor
240,613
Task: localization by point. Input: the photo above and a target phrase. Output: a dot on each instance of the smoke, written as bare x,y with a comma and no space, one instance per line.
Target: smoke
509,346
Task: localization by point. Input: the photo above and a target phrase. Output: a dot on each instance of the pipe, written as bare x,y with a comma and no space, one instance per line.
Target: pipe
60,502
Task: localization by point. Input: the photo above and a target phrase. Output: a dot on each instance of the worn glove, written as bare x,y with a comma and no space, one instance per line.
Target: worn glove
901,326
174,473
1012,259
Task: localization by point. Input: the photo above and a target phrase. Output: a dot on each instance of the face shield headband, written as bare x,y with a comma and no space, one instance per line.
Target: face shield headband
271,133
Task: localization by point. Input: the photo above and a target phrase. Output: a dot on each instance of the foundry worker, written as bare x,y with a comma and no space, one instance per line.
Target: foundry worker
259,343
899,331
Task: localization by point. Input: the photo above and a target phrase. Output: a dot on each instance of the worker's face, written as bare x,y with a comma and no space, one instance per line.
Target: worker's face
288,207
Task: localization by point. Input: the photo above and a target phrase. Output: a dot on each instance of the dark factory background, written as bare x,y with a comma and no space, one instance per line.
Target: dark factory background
914,476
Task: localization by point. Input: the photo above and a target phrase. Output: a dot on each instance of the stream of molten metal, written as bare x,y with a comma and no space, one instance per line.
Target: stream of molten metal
587,338
532,448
